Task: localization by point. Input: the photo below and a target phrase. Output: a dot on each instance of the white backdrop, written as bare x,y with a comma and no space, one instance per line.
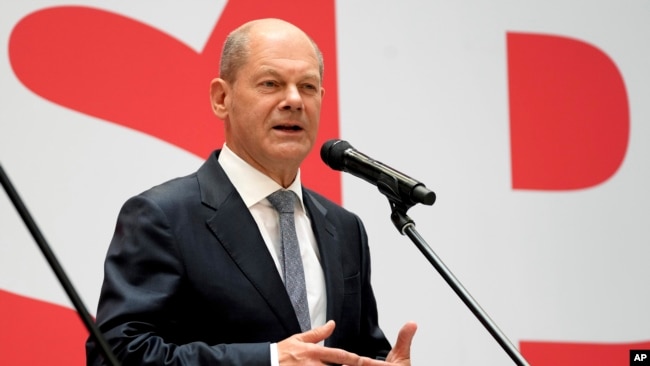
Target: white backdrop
422,87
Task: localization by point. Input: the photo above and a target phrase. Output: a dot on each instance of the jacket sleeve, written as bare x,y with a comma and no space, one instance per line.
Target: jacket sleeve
139,312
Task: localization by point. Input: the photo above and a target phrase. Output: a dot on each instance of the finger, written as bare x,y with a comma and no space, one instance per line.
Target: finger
366,361
345,358
402,349
318,334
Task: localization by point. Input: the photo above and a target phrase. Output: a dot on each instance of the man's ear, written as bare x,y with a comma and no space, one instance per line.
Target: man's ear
219,90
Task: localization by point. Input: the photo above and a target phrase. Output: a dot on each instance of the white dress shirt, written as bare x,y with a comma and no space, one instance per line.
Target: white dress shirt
253,187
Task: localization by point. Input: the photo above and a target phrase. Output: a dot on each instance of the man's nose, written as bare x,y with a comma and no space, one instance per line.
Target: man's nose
292,99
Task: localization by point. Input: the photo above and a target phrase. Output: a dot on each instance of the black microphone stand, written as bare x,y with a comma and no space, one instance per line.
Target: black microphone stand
406,226
56,267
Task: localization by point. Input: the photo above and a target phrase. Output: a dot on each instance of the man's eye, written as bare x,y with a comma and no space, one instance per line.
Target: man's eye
269,84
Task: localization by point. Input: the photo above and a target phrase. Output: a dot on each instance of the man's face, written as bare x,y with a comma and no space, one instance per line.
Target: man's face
272,109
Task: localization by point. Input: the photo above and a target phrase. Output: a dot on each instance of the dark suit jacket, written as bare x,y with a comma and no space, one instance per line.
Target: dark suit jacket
189,281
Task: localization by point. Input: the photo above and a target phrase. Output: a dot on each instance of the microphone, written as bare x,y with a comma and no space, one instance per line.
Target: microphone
340,155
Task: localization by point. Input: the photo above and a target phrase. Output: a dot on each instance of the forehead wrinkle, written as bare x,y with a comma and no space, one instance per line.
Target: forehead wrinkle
269,70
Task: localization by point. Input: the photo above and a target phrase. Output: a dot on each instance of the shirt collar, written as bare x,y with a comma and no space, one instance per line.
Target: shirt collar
253,186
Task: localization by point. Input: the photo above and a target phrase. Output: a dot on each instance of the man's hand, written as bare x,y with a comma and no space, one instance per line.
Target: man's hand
401,353
302,349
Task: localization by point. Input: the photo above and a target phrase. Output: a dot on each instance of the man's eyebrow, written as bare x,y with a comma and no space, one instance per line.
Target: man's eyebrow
268,71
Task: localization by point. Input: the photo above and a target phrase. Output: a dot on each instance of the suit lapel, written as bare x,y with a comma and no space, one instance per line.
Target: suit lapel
330,253
237,232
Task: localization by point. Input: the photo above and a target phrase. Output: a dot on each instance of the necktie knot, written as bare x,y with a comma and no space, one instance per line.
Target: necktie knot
283,200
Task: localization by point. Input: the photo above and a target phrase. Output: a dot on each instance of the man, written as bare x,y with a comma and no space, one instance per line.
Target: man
193,275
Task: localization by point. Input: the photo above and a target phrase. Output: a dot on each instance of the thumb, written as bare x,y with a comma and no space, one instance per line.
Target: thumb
402,348
318,334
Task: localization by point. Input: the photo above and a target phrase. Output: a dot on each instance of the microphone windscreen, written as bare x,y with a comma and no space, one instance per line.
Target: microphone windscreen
333,153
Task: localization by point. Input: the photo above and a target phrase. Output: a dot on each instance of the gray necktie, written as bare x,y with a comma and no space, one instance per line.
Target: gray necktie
291,262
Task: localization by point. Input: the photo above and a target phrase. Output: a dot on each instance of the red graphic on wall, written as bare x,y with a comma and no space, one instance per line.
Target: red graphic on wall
569,129
569,114
123,71
35,332
572,353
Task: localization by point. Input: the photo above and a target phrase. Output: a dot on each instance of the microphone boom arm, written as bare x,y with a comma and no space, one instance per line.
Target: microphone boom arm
406,226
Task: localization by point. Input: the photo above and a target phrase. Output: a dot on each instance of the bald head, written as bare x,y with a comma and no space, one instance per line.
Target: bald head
237,46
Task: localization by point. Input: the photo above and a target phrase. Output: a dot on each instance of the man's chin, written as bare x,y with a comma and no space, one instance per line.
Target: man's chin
293,151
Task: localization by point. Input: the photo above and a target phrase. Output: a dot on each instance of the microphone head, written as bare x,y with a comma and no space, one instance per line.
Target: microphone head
333,153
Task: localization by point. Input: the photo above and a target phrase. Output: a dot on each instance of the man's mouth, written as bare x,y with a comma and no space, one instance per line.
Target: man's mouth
288,128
